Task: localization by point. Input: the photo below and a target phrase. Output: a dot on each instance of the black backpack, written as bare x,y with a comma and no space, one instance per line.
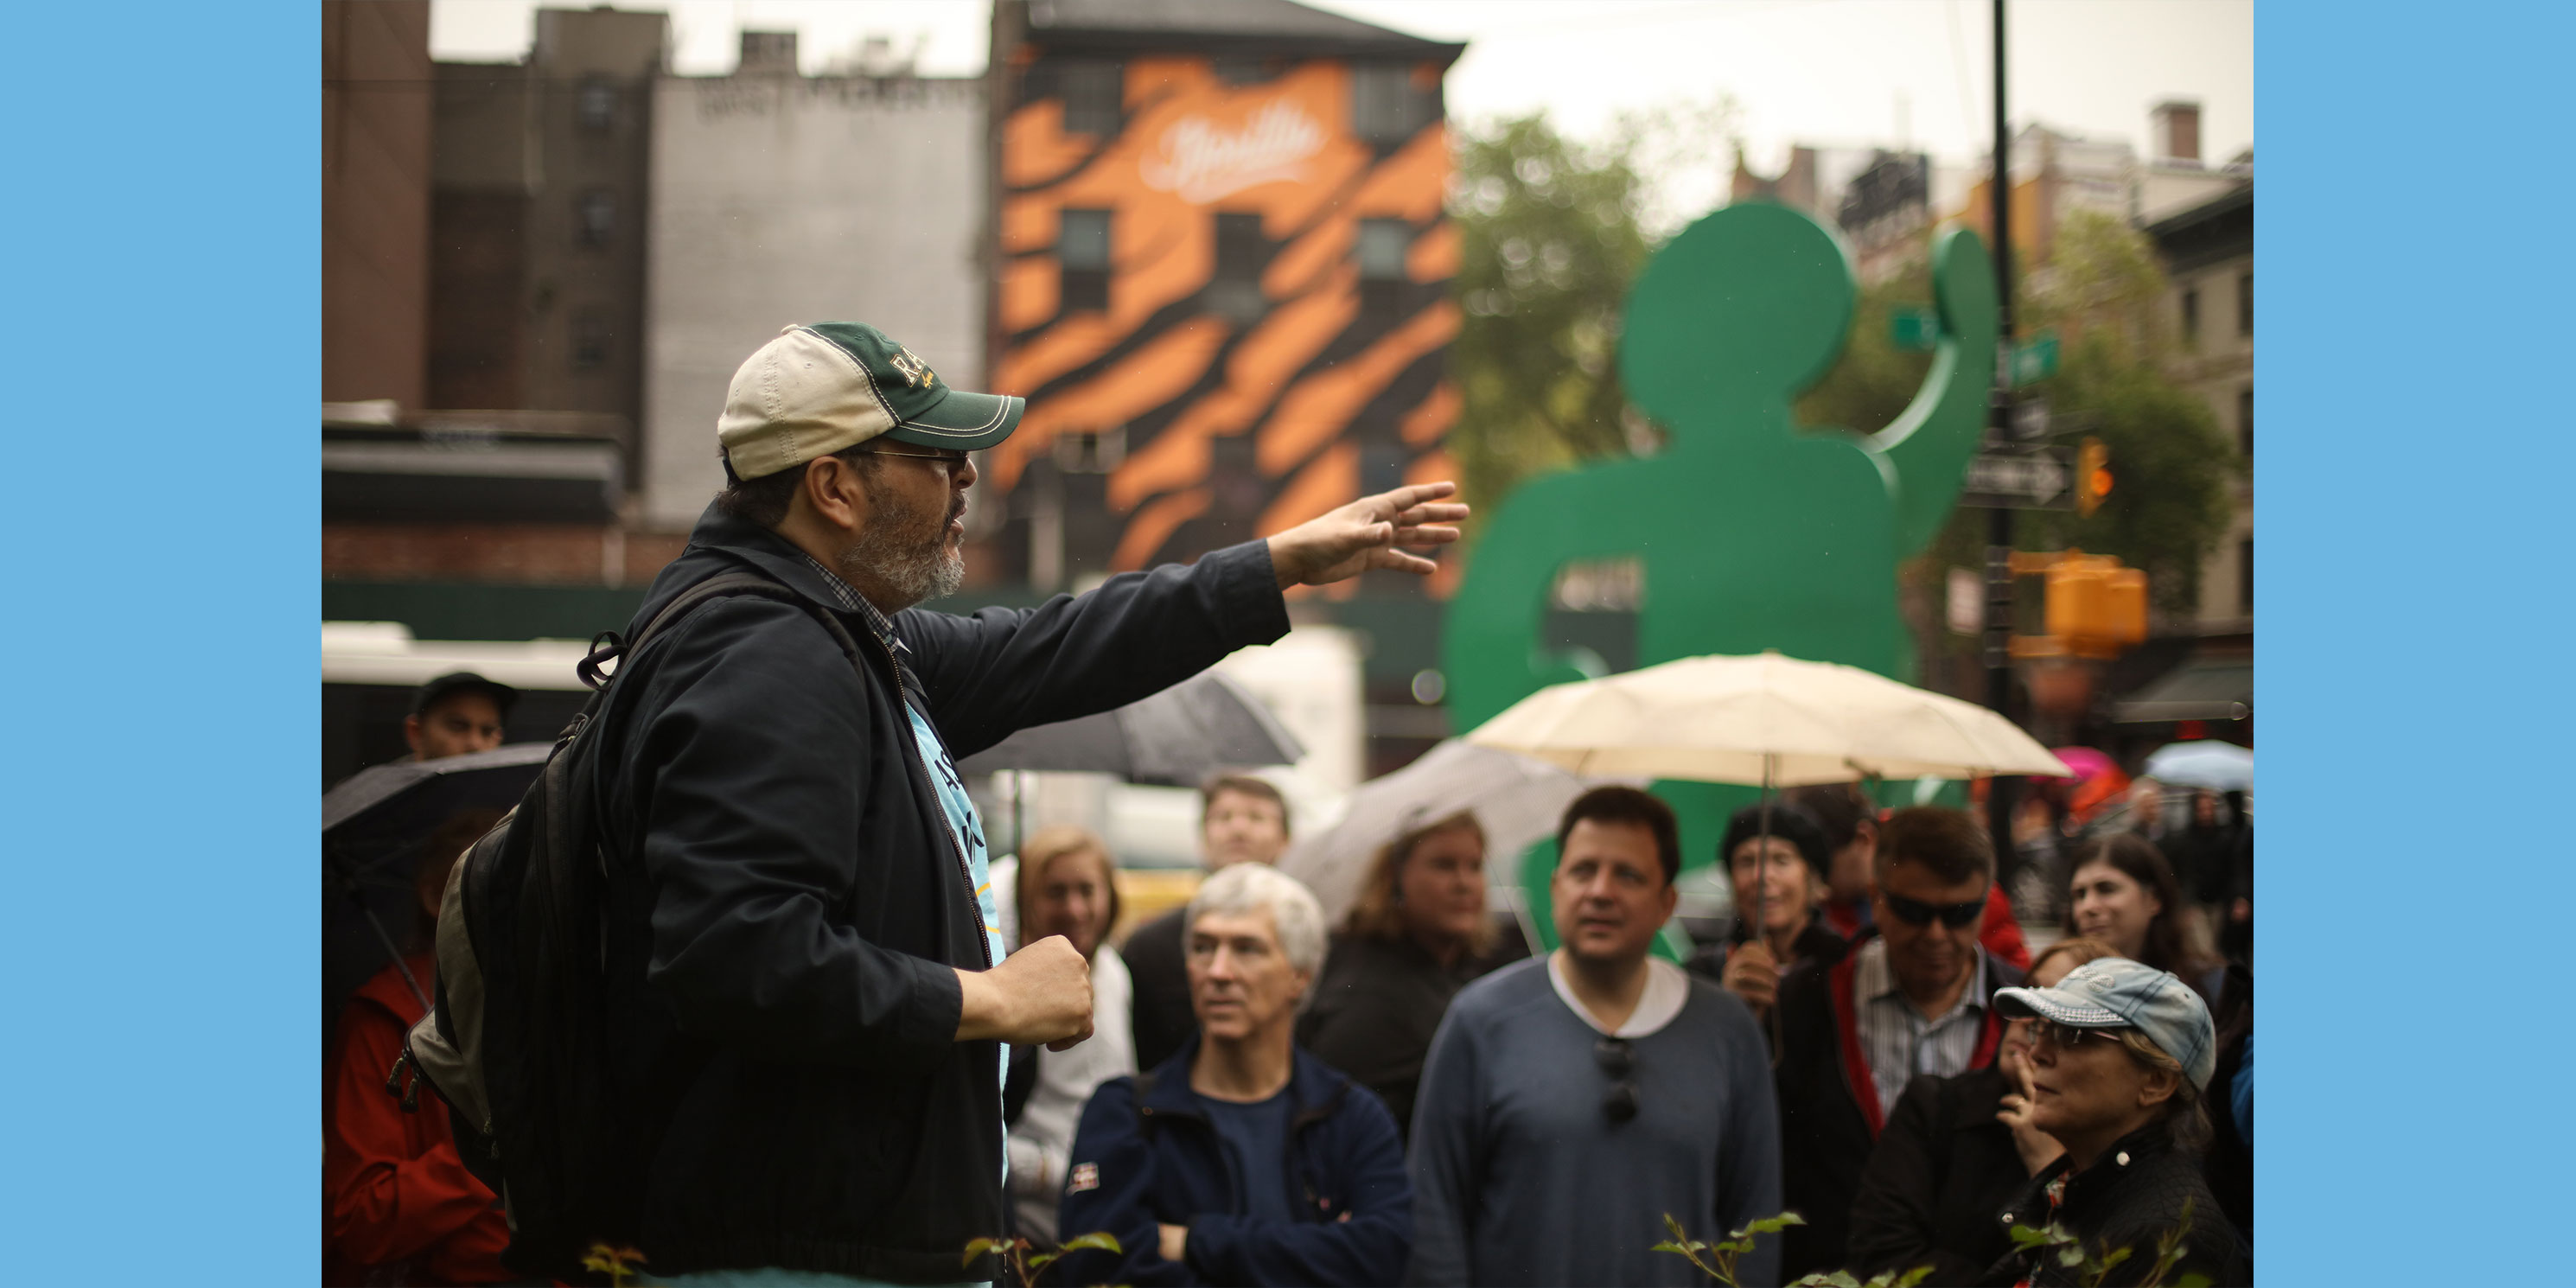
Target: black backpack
516,1043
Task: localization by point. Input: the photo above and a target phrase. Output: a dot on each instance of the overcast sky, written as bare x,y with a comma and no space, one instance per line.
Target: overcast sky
1828,72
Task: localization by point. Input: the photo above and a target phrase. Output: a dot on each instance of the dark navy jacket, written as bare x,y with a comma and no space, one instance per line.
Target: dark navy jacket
786,901
1139,1166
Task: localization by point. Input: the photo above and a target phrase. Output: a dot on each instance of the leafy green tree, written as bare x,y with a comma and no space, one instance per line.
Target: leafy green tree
1550,240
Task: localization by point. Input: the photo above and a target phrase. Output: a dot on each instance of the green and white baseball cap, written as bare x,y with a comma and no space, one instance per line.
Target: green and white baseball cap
830,386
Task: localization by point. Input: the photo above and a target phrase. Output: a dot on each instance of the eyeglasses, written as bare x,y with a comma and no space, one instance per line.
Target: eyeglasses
1914,912
950,461
1618,1060
2068,1037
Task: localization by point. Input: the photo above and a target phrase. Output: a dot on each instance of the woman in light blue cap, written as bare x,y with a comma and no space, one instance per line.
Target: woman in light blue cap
2119,1064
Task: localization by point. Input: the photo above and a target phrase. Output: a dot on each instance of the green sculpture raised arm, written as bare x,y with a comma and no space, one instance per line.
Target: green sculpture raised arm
1754,532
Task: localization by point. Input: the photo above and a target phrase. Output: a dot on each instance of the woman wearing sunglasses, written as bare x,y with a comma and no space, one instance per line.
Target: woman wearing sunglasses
2120,1056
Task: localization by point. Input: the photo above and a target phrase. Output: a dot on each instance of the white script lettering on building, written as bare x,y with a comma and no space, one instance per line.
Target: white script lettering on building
1202,162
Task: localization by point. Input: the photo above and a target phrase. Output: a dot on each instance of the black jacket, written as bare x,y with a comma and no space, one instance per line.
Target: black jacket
1943,1167
1146,1154
1826,1133
1376,1006
2140,1189
787,901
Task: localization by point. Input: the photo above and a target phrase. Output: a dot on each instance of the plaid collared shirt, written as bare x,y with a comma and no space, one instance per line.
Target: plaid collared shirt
854,602
1898,1042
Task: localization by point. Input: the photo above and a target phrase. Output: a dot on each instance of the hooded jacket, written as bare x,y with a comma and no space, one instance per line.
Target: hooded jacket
787,902
1146,1155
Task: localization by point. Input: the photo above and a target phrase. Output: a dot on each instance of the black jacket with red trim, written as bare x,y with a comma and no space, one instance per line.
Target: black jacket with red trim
1829,1114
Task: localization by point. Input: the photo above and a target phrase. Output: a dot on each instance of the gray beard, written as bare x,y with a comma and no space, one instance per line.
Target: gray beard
911,569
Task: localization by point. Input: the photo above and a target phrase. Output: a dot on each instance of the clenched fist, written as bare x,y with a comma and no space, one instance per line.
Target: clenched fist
1041,993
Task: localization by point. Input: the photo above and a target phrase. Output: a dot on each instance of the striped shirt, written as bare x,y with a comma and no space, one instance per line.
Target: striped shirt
1895,1038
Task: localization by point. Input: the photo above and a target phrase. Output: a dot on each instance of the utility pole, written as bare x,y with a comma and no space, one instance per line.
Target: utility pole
1999,519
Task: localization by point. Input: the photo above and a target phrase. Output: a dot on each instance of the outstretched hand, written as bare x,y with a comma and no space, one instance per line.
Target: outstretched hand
1367,534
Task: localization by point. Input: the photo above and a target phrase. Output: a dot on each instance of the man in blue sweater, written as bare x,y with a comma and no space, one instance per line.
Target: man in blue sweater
1571,1101
1241,1160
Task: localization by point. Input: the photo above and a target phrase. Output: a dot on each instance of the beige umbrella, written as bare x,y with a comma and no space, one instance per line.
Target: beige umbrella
1765,720
1768,720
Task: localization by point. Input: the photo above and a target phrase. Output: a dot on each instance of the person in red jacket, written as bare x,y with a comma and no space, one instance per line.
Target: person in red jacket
398,1205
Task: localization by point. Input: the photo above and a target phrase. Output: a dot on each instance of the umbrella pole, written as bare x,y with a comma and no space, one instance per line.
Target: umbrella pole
1762,890
1762,851
349,882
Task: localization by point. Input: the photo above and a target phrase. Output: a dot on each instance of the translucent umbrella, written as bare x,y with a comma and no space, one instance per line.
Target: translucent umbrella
1515,800
2218,766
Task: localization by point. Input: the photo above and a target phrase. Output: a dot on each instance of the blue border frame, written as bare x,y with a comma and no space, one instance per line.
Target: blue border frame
162,349
160,949
2413,293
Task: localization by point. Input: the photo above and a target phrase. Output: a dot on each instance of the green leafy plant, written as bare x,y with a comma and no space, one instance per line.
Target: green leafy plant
1717,1260
616,1263
2093,1269
1027,1260
1884,1279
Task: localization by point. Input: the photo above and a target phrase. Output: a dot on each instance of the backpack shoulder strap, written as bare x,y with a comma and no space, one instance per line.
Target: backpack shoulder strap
607,646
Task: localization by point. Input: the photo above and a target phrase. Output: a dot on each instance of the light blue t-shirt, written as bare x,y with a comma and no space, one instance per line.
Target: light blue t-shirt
969,832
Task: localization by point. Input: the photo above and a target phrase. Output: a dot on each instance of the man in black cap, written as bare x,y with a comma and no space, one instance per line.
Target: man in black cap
457,713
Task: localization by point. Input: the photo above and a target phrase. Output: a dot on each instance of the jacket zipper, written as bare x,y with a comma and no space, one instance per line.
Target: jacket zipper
921,772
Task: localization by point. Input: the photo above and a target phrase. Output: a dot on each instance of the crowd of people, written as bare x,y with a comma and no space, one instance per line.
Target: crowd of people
848,1043
1908,1091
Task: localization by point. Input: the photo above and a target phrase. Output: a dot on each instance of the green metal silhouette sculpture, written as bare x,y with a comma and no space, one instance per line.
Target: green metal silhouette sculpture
1754,532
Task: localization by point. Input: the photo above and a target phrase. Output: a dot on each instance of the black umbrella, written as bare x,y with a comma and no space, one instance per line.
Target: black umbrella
373,826
1174,738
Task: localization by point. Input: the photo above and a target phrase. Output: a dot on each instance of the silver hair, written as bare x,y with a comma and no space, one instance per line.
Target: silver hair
1247,887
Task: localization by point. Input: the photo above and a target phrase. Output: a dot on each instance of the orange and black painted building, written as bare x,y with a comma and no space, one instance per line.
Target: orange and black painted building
1221,275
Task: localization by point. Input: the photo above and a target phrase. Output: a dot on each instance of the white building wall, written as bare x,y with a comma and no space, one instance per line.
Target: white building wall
783,199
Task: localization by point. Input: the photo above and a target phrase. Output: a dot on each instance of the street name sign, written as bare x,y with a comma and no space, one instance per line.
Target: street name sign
2034,359
2033,480
1915,329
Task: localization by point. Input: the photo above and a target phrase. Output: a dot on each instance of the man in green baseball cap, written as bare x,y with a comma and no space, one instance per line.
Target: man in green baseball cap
810,992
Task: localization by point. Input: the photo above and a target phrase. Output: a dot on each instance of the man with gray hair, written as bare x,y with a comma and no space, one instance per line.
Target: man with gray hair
1241,1160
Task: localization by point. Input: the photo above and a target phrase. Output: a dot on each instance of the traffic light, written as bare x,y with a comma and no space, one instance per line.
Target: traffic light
2095,607
2092,476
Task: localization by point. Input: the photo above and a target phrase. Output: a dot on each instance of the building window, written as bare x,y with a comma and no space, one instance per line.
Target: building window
589,339
2245,575
2245,304
1091,96
2191,318
2245,421
1382,248
597,213
1082,251
596,106
1234,291
1386,105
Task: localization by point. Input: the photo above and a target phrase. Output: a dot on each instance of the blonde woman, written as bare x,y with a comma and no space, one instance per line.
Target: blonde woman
1418,933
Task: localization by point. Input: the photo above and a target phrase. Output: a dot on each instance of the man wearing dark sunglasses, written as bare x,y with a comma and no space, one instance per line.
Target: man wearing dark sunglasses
1571,1100
1912,999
